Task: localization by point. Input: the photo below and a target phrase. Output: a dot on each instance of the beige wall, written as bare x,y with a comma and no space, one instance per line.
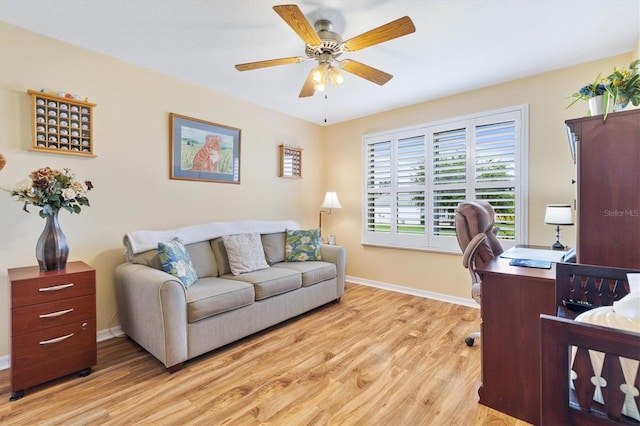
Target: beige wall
133,191
550,172
131,173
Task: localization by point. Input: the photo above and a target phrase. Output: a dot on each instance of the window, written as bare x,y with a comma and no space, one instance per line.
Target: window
415,178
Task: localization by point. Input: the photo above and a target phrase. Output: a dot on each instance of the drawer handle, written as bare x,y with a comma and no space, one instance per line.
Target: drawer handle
56,314
56,340
56,287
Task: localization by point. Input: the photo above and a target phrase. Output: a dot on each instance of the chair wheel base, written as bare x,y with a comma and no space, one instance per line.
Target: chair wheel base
469,341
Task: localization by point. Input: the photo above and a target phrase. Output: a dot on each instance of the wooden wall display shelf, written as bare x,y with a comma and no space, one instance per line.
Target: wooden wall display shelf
290,161
61,125
53,324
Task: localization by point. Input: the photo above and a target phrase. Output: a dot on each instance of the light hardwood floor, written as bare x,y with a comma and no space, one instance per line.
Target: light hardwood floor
375,358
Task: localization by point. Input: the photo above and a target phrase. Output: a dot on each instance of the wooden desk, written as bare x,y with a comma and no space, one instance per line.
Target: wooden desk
512,300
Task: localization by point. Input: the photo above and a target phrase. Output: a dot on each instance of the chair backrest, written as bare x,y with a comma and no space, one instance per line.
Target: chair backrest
473,218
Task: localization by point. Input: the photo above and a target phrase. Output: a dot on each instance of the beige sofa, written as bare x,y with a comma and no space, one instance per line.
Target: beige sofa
176,324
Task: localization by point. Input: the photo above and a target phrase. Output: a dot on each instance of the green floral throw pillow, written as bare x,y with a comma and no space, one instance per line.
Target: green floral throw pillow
176,261
302,245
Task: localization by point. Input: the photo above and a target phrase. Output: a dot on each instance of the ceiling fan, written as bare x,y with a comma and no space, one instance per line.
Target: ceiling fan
325,46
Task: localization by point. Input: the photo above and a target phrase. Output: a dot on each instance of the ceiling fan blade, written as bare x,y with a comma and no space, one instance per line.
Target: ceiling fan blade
298,23
365,71
269,63
394,29
308,88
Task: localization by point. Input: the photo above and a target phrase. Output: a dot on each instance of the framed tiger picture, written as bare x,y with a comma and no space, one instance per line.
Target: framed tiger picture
204,151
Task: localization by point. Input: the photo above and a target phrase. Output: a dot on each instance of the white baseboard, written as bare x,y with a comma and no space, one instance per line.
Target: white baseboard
414,292
5,361
109,333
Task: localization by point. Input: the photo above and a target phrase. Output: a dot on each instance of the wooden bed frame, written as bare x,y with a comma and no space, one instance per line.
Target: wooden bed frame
560,405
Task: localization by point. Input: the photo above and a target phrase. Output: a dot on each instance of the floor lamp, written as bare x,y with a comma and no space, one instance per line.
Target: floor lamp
558,214
330,202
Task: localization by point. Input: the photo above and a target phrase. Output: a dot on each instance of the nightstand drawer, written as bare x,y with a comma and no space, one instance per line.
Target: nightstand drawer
47,354
31,318
48,288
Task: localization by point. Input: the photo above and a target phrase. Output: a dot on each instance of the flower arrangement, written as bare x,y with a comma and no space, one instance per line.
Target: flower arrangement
53,190
597,88
624,85
617,89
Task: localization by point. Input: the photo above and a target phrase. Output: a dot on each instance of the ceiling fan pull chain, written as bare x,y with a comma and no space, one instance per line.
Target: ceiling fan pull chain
325,108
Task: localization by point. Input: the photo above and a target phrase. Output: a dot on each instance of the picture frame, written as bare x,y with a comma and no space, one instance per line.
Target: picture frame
203,151
290,162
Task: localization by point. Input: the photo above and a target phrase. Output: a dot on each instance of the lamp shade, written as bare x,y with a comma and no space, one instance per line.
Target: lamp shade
331,201
558,214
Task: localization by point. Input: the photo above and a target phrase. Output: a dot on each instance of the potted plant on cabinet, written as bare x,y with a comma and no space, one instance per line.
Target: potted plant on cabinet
592,93
612,93
623,87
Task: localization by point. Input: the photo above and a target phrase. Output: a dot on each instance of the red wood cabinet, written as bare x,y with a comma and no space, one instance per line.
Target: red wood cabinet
608,192
53,324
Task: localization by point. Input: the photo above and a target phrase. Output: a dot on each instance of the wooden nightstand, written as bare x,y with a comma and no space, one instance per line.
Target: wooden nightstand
53,324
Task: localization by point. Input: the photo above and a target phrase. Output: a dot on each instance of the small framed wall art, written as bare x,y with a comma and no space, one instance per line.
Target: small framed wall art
290,161
205,151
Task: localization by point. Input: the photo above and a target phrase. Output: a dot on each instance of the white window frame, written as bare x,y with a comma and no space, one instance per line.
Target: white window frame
426,241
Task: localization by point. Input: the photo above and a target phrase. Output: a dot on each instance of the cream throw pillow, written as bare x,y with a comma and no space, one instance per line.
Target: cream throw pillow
245,253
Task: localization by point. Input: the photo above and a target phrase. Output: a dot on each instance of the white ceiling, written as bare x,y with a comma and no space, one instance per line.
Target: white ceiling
459,45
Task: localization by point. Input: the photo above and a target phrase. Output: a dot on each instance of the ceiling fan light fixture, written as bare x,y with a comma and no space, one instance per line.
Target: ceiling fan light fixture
335,76
317,73
319,76
321,86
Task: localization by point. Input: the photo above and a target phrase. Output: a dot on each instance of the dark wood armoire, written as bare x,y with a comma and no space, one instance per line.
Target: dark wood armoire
607,155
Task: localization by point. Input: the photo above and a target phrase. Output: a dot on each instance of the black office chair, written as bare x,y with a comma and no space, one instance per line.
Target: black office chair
477,238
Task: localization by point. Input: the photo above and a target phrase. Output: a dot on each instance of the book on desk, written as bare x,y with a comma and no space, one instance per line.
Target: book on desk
536,258
531,263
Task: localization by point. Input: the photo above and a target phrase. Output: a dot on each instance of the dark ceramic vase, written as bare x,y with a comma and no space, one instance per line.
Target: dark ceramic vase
52,249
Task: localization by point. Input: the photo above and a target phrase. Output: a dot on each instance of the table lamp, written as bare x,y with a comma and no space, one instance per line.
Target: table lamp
558,214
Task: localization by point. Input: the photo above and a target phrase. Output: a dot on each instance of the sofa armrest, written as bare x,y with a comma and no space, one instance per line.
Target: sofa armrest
152,308
337,255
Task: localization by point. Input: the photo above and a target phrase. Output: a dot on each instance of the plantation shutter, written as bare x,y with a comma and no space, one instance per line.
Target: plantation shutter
415,178
410,197
378,186
495,172
449,153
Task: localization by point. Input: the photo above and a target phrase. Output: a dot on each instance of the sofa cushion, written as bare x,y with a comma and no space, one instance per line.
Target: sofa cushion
302,245
270,282
220,253
203,259
273,245
312,272
176,261
148,258
211,296
245,253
